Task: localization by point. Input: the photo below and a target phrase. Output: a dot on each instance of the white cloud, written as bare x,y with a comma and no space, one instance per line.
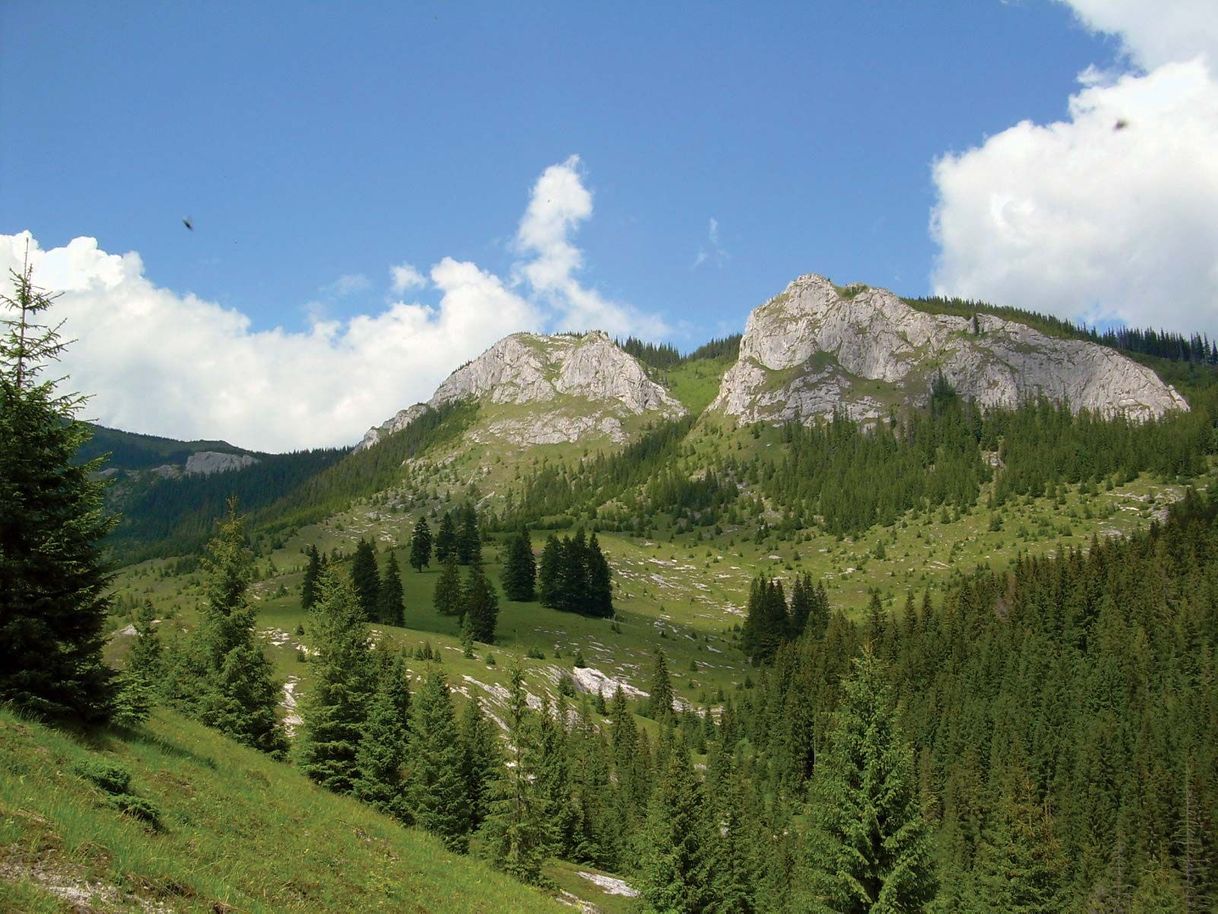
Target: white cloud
406,278
712,251
166,363
559,204
1108,214
348,284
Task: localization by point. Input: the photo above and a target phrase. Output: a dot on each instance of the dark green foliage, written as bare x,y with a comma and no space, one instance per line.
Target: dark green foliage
766,625
236,691
146,659
481,761
659,703
381,758
446,539
436,783
105,775
481,605
312,575
420,545
519,568
677,846
449,597
657,355
390,609
575,576
869,849
469,540
335,709
365,580
53,582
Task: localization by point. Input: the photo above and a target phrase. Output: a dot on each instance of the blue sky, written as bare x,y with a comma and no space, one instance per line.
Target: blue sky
726,148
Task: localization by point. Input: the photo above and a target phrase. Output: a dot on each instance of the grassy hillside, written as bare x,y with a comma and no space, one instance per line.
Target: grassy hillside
237,832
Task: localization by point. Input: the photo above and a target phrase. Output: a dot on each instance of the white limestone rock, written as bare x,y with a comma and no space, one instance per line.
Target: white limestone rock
204,463
813,349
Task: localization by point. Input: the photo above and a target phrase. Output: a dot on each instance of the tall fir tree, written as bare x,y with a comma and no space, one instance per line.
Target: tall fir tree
312,575
600,581
552,555
481,761
391,610
449,595
334,711
238,695
436,785
676,865
381,757
766,625
446,539
147,656
802,597
869,851
481,605
366,579
520,569
659,704
53,580
469,539
1019,862
420,545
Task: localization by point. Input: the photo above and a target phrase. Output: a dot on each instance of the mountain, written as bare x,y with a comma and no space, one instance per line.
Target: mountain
816,348
557,389
131,452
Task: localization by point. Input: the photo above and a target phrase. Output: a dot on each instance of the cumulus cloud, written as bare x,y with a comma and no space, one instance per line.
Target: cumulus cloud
166,363
558,205
1107,215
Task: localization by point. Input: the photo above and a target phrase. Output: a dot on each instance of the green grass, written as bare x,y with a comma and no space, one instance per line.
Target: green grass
238,830
695,383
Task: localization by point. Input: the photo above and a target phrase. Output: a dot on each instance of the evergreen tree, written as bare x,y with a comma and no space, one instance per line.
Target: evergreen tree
600,581
520,569
436,785
766,625
660,702
334,711
420,545
517,835
676,867
366,580
312,575
380,759
469,539
548,573
53,581
481,605
1018,868
480,761
238,695
802,597
146,659
389,594
869,851
446,539
449,598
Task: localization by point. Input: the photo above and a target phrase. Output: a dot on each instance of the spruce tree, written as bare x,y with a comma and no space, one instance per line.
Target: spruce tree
446,539
552,556
765,626
481,761
869,852
660,701
366,580
1019,862
520,569
676,866
469,540
802,597
238,694
420,545
146,659
481,605
334,711
449,597
312,574
600,581
436,785
389,594
53,581
380,760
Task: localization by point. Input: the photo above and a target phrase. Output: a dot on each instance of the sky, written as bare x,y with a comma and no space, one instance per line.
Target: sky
379,192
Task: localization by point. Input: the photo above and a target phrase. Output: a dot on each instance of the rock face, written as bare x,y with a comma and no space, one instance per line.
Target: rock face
204,463
815,348
578,385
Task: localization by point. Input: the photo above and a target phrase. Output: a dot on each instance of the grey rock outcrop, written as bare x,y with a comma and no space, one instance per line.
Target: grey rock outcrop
582,384
815,348
204,463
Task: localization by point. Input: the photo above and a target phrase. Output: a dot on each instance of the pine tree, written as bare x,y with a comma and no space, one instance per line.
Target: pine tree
676,866
765,626
146,659
520,569
481,605
517,836
660,702
1019,862
436,786
366,580
552,556
309,586
335,709
380,760
481,761
600,581
420,545
868,852
238,694
802,597
469,540
53,581
449,598
389,594
446,539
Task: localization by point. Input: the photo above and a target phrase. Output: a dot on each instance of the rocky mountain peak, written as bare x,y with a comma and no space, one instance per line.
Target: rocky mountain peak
817,347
